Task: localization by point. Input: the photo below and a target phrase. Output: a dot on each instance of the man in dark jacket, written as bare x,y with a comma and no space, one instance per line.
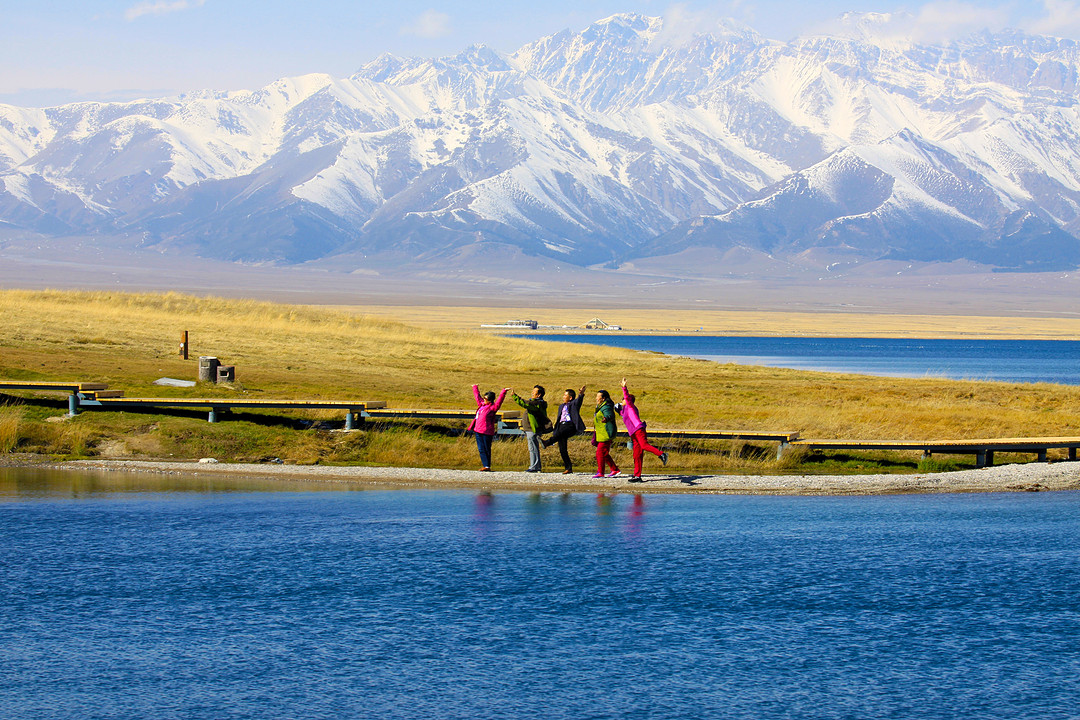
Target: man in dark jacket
536,423
567,424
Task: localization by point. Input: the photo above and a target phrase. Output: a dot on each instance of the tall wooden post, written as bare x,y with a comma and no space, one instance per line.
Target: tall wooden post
184,345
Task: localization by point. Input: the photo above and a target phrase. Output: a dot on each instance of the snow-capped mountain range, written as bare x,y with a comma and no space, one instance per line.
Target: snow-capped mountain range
618,143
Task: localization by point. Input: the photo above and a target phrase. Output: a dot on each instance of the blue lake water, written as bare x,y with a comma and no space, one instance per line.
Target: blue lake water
160,600
1030,361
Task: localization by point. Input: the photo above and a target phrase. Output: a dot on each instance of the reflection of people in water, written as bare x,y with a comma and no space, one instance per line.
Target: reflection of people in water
484,501
635,521
604,503
484,516
635,516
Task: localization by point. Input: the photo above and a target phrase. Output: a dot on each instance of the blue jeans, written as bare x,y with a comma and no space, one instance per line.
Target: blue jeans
533,439
483,445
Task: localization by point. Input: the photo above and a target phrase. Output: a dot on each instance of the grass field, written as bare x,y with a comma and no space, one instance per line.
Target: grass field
283,351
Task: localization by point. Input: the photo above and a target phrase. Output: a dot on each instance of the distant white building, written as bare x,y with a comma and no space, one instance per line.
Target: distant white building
598,324
515,324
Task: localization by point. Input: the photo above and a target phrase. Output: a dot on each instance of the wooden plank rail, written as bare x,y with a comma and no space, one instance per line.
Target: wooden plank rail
355,409
97,396
509,420
216,405
51,385
983,450
234,403
784,439
75,390
781,437
432,414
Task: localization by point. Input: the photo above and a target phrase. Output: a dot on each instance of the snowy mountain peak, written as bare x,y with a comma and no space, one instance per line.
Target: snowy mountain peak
636,136
482,56
624,26
473,61
385,65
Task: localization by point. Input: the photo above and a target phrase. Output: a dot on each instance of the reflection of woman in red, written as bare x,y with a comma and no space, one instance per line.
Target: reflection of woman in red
635,517
635,428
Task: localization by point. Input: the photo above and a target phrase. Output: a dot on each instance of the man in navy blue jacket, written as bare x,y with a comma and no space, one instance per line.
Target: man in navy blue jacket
567,424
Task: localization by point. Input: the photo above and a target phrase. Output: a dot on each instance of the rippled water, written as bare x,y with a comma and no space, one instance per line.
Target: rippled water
1030,361
146,598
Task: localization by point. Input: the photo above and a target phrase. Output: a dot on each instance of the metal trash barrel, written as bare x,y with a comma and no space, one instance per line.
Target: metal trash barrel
208,369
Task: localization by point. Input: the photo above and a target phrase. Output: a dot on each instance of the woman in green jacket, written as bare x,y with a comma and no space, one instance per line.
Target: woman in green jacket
604,425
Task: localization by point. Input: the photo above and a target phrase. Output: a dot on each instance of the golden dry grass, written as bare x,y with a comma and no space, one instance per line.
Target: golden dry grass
10,420
282,351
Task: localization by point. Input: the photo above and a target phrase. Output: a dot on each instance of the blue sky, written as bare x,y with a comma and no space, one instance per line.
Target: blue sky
55,51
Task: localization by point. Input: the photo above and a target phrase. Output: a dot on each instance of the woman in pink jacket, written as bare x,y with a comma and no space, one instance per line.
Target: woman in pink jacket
635,428
486,422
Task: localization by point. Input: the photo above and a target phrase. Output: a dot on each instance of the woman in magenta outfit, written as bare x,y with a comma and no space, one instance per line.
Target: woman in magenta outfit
635,428
486,422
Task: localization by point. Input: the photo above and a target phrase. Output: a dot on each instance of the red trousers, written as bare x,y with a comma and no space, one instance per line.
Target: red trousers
641,444
603,457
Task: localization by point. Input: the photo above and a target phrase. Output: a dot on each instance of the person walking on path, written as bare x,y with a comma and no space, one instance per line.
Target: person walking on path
567,424
538,423
635,428
486,422
604,428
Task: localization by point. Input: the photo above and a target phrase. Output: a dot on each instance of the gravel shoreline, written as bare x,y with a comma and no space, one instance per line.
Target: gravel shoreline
1028,477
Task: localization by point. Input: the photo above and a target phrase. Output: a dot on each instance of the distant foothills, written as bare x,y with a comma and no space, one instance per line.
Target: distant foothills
619,145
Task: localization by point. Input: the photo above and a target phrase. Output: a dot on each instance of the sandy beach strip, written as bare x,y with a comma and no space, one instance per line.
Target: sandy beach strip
1028,477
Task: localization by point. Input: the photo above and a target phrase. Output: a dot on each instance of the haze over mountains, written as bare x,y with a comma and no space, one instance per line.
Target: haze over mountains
620,145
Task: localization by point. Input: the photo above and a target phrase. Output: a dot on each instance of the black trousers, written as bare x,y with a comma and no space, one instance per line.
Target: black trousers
563,432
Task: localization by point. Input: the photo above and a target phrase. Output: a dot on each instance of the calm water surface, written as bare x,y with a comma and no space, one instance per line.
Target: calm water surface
1053,361
148,598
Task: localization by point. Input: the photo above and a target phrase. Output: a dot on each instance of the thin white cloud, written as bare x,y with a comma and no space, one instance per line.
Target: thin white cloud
430,24
935,22
682,24
160,7
951,19
1061,19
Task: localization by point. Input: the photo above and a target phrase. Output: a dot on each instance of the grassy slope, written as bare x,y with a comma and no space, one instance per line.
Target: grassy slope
280,351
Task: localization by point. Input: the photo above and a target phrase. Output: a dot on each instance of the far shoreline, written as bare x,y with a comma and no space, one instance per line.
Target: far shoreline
681,321
1020,477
